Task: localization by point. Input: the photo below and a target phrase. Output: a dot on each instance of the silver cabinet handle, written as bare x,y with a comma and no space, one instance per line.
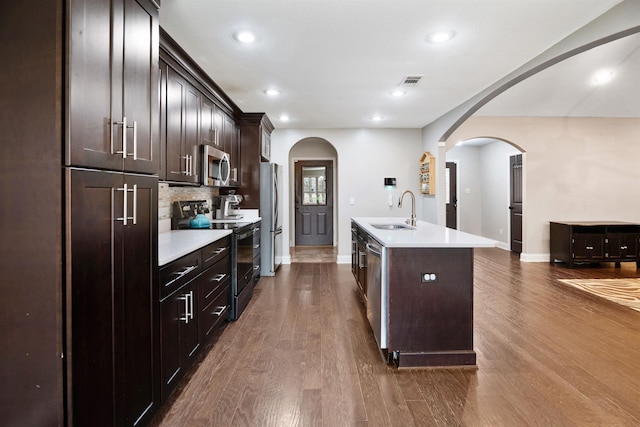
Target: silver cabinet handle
256,267
191,305
135,140
219,310
185,298
256,246
360,261
589,247
180,274
125,126
125,190
135,203
218,277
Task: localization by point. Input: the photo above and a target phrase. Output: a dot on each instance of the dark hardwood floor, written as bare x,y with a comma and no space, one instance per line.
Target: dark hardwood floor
303,355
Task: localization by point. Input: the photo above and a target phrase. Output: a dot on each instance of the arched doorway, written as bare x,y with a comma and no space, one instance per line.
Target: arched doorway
485,189
313,198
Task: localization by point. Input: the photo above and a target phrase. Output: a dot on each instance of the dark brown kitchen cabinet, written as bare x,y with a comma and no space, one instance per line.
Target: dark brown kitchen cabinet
112,337
255,129
113,85
593,242
211,124
180,338
195,299
182,121
232,148
359,257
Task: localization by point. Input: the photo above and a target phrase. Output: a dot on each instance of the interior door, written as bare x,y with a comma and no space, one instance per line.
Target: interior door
515,206
314,202
452,195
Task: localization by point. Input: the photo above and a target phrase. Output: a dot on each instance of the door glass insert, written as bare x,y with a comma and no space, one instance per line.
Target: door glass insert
314,185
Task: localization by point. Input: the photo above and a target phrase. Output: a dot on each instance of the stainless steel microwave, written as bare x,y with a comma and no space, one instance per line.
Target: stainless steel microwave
215,167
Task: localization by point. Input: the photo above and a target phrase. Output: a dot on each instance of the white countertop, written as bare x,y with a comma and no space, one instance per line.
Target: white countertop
177,243
424,235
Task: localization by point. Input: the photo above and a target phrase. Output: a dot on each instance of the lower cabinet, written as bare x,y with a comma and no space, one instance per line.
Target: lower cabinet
112,344
359,257
594,242
179,318
195,301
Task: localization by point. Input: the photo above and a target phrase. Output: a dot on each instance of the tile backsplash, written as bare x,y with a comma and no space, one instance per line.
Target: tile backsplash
167,195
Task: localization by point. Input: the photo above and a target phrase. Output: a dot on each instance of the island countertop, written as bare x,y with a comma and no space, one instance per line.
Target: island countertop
176,243
423,235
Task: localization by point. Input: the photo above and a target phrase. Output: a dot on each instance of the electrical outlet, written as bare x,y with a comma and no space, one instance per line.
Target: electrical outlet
428,277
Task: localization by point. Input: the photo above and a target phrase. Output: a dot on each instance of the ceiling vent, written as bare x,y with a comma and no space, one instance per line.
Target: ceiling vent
411,80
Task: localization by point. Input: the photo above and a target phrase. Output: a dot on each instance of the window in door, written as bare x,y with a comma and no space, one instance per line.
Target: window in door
314,185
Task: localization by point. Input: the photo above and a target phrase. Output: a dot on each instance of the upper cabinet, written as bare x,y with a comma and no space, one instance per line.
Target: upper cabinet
255,140
113,86
210,124
232,148
181,131
194,111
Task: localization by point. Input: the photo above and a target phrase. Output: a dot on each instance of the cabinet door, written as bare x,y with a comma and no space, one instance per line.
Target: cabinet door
179,334
622,246
172,313
137,299
110,304
209,124
232,147
140,86
182,121
91,318
588,247
113,93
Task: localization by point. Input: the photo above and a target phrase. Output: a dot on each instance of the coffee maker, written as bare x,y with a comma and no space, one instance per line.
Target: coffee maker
229,206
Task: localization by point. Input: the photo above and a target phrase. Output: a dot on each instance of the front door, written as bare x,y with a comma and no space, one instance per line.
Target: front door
314,202
452,194
515,206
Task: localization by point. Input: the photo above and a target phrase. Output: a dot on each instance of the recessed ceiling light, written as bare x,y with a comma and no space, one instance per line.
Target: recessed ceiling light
284,118
441,36
272,92
376,118
398,93
602,77
245,36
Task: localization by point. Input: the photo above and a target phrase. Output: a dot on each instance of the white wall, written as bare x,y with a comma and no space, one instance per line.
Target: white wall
574,169
365,158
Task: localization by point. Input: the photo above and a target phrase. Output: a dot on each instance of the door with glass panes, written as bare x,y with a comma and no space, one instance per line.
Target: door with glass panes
314,202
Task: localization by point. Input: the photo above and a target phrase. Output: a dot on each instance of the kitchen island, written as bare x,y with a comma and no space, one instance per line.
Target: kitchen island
419,290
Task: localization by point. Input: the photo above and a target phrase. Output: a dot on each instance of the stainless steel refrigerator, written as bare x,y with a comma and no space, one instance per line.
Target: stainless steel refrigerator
271,229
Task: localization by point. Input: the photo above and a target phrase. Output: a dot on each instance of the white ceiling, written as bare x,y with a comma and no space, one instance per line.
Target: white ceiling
336,61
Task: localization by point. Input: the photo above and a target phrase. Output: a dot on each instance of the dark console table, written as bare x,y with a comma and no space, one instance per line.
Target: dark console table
593,242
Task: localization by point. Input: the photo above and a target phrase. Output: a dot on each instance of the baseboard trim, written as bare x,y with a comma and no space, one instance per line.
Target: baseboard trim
343,259
534,257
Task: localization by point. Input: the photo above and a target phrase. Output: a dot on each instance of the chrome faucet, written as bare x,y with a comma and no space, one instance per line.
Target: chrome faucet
411,221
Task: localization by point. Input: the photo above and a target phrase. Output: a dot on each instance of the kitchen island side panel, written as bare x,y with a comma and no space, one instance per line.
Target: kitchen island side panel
433,315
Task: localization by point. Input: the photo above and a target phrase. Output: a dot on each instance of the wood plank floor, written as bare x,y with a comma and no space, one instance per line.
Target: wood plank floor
303,355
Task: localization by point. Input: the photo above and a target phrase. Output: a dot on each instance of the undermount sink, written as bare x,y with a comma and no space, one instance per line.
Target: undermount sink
393,227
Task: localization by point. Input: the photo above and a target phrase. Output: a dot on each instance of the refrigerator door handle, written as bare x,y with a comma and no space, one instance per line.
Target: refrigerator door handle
278,231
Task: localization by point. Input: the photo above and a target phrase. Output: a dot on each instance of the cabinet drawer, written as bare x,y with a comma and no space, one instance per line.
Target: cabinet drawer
213,279
215,251
179,272
214,314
